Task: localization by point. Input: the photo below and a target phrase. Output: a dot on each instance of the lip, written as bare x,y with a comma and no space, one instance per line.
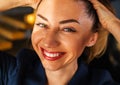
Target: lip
51,58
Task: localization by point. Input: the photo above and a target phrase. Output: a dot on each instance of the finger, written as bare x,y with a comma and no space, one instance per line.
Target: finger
104,14
29,2
99,7
34,3
97,4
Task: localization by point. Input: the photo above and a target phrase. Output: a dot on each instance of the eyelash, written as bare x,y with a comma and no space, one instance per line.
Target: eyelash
41,25
69,29
65,29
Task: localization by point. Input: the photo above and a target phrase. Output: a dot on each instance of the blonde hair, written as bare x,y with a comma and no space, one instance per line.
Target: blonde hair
100,47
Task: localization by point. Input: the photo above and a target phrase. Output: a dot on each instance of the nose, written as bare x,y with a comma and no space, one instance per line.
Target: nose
51,39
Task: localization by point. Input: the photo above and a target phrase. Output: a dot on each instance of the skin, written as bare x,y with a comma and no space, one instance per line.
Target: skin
108,20
7,4
54,35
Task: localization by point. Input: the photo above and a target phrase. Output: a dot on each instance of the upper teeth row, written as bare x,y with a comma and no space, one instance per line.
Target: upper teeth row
51,54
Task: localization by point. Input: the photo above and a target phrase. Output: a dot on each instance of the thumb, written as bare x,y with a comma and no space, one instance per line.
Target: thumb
34,3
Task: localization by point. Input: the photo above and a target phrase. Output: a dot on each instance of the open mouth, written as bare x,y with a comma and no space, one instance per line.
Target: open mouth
52,56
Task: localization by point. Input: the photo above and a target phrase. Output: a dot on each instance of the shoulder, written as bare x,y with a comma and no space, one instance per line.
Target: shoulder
25,66
86,75
100,77
23,58
26,57
7,61
7,66
31,69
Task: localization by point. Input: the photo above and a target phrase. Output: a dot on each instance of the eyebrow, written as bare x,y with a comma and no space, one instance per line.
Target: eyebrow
42,17
61,22
69,21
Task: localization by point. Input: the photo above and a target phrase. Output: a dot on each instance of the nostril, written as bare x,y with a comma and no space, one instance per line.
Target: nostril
50,41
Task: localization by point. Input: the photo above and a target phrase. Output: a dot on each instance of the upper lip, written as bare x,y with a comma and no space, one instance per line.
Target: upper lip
52,51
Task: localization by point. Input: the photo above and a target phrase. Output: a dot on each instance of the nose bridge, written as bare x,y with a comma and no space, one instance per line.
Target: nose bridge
50,39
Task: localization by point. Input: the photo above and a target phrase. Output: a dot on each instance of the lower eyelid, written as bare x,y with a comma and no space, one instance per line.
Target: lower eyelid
69,30
44,25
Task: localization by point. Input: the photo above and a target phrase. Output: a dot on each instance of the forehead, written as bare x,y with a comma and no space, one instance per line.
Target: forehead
61,8
58,10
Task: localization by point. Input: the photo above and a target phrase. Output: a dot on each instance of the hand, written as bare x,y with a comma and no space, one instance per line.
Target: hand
32,3
7,4
107,19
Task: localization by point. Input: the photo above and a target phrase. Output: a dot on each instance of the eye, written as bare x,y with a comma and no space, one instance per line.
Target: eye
41,25
69,29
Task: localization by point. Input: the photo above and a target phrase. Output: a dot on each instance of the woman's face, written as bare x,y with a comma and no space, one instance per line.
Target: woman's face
61,32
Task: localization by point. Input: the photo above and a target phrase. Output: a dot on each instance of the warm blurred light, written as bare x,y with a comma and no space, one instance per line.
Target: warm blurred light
30,18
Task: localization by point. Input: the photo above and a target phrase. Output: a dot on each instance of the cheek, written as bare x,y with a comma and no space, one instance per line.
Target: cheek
78,47
75,46
36,37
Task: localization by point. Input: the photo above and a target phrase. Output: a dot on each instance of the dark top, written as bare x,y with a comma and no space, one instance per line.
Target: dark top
26,69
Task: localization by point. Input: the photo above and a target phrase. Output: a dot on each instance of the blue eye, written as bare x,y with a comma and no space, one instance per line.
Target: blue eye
41,25
69,30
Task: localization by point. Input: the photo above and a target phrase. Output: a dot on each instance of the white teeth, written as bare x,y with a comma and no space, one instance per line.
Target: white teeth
51,54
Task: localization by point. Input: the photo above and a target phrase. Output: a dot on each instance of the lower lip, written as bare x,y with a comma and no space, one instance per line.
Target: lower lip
51,58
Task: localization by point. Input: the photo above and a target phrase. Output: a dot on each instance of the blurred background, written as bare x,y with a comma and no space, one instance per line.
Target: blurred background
15,31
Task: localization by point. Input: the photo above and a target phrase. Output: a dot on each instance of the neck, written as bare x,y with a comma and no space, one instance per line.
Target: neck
61,76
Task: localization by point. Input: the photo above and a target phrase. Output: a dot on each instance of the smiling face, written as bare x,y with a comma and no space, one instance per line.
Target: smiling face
61,32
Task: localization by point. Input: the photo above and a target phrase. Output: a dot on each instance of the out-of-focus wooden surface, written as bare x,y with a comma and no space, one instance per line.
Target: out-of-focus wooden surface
4,44
15,32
